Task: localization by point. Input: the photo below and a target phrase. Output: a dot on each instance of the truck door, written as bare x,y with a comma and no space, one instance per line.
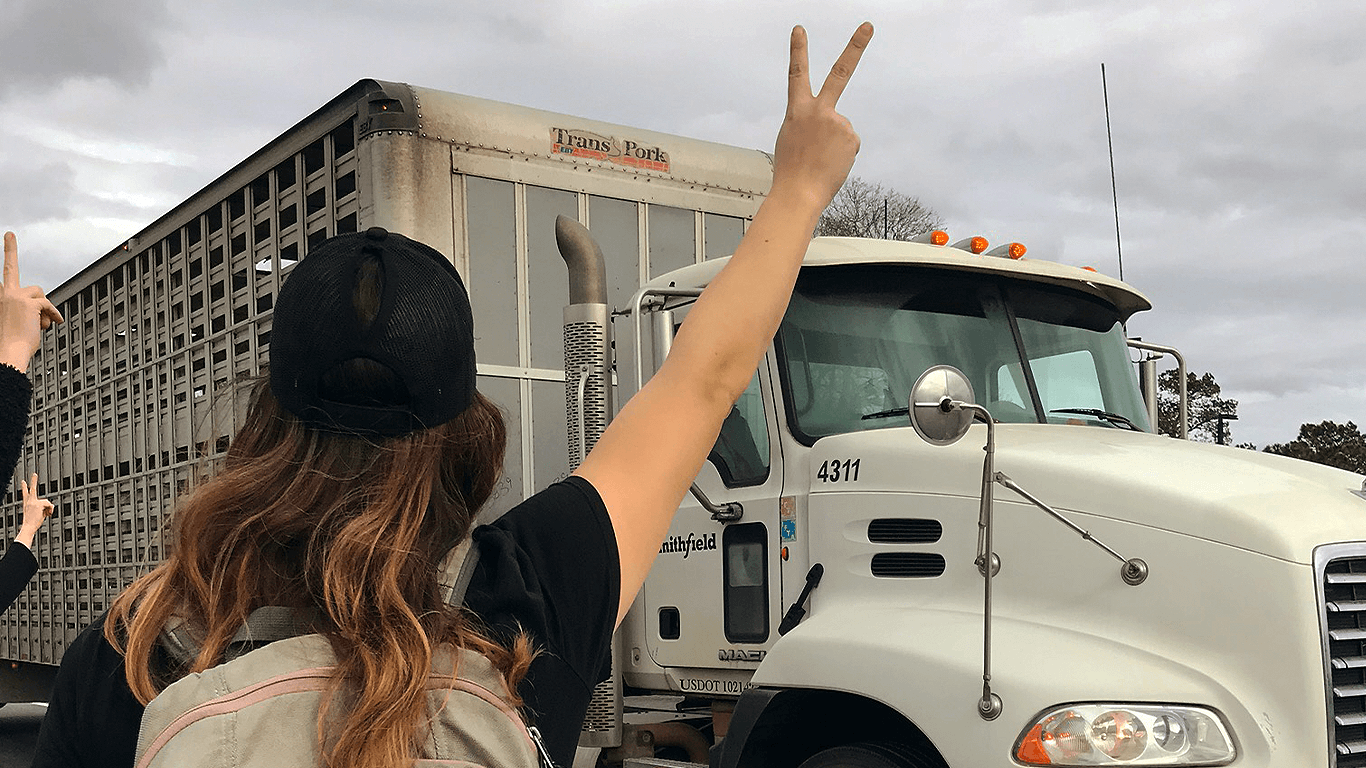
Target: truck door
714,589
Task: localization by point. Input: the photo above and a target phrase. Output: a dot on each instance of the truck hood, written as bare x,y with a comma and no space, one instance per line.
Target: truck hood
1274,505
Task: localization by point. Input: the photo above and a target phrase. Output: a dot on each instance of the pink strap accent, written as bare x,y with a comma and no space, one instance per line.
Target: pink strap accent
301,680
450,683
314,679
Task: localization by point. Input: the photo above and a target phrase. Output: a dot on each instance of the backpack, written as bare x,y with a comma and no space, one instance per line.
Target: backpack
261,708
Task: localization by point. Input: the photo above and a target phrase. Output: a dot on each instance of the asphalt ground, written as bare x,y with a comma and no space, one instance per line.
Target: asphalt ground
19,733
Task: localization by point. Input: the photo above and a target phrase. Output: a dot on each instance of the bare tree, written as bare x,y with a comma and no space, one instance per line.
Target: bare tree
864,209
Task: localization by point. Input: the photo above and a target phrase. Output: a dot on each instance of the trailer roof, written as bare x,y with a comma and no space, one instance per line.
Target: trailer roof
518,136
521,133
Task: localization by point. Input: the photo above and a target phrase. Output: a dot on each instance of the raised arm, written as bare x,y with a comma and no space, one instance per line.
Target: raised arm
642,465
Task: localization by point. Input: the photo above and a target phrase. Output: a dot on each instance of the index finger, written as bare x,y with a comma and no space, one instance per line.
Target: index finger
11,261
844,66
798,75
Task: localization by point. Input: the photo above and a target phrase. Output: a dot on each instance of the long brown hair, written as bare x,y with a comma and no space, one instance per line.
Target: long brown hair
350,528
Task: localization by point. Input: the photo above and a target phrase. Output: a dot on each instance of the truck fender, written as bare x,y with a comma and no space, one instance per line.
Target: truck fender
925,666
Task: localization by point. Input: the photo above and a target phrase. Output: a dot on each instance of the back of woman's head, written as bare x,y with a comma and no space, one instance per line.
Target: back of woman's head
302,517
349,481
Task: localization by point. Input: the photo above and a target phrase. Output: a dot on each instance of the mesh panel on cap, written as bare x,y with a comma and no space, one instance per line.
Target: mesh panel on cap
423,333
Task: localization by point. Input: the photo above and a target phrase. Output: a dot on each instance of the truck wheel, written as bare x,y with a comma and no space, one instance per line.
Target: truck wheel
871,755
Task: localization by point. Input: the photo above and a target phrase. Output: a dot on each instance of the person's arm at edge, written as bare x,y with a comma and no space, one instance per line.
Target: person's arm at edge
650,453
20,563
16,396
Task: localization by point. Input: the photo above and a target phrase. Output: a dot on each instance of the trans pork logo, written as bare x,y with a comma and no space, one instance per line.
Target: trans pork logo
594,146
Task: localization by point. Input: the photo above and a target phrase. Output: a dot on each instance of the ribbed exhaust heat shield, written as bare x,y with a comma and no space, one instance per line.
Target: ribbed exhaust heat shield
587,339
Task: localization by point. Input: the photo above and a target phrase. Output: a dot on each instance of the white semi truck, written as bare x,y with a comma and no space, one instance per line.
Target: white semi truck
1155,601
822,598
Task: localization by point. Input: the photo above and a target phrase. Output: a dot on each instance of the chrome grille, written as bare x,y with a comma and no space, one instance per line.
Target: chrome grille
1343,591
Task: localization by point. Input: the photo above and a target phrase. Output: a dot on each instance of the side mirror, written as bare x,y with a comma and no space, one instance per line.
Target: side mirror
933,412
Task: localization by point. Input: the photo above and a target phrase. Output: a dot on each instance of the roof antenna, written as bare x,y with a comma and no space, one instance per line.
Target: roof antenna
1113,191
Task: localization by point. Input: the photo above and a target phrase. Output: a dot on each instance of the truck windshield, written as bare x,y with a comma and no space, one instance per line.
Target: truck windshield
855,338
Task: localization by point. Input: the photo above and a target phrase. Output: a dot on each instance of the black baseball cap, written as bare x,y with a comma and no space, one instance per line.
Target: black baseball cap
345,364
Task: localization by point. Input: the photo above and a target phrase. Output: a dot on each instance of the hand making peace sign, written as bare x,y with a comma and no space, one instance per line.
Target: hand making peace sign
36,511
24,312
816,145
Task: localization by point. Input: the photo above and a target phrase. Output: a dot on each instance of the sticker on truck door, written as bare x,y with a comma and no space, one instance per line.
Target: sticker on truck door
787,519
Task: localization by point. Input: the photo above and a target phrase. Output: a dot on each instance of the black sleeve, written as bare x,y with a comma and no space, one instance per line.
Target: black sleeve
93,718
16,393
16,568
550,568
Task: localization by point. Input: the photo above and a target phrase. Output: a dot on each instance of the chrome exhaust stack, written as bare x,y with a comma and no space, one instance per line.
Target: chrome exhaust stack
587,340
588,409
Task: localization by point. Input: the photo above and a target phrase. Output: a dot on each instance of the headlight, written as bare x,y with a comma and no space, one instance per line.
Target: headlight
1126,734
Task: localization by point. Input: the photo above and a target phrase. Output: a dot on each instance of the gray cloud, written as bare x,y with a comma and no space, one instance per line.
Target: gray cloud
44,43
31,192
1240,131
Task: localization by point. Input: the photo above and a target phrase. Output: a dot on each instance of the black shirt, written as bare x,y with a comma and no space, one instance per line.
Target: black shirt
548,567
16,568
16,391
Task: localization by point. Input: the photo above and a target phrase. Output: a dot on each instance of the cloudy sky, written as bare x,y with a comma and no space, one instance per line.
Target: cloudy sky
1238,132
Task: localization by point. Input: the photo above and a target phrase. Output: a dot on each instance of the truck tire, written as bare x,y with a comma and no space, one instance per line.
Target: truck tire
871,755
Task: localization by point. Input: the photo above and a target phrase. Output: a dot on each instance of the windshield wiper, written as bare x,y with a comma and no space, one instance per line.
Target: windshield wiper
885,414
1096,413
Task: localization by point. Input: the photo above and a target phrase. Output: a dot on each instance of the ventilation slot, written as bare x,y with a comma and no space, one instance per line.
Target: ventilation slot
904,531
908,565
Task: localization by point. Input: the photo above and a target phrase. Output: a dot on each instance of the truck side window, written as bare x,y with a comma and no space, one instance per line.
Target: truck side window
741,450
745,555
1009,402
1069,380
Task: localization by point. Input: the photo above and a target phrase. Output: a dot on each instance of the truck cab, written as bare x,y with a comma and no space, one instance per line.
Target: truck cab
822,591
866,318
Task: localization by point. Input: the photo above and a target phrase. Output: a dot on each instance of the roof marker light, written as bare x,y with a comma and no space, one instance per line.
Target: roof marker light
933,237
972,244
1089,269
1008,251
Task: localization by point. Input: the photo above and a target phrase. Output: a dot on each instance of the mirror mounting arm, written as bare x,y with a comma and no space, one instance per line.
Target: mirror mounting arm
1133,571
988,563
727,512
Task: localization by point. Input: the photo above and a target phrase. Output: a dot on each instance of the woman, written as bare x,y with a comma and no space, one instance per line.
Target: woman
369,453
